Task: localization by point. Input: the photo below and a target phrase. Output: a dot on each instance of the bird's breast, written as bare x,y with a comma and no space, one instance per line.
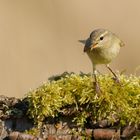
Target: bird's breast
104,55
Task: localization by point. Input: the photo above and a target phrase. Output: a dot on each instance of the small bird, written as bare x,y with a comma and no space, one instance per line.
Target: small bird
102,47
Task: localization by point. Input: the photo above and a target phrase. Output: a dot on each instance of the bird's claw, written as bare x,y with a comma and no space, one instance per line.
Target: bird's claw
116,79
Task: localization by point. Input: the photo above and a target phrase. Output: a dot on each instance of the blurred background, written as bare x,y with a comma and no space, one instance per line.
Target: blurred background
38,39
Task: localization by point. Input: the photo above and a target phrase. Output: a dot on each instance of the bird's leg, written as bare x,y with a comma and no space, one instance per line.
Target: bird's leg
114,74
95,82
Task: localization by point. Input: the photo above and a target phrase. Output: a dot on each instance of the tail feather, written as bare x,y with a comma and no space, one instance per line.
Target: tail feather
82,41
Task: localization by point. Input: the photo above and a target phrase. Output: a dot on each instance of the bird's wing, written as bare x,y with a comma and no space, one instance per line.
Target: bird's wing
82,41
122,43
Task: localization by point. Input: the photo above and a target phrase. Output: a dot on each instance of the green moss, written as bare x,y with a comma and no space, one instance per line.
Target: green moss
34,131
116,102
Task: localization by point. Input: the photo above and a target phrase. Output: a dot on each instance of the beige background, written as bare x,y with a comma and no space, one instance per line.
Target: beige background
38,38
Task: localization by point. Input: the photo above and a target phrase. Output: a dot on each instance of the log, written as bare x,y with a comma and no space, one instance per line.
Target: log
106,134
22,136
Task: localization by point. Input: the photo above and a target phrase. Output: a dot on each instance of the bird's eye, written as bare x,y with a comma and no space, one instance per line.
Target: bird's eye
101,38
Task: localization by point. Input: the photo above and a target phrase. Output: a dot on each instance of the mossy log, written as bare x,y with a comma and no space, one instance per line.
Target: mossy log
67,108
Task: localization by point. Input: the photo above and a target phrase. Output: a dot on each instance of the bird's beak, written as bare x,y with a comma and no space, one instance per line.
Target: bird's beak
91,47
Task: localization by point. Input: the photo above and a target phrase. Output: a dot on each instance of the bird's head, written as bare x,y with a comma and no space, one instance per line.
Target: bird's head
101,38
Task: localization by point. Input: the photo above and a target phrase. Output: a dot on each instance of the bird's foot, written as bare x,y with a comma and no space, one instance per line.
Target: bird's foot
116,79
97,87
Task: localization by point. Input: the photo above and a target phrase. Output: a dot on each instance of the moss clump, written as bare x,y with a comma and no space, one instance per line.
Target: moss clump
34,131
118,102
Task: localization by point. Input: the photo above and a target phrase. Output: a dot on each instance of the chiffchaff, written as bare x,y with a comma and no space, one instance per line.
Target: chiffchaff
102,47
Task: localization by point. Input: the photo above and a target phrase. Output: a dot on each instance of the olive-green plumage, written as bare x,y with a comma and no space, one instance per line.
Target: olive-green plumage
102,47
